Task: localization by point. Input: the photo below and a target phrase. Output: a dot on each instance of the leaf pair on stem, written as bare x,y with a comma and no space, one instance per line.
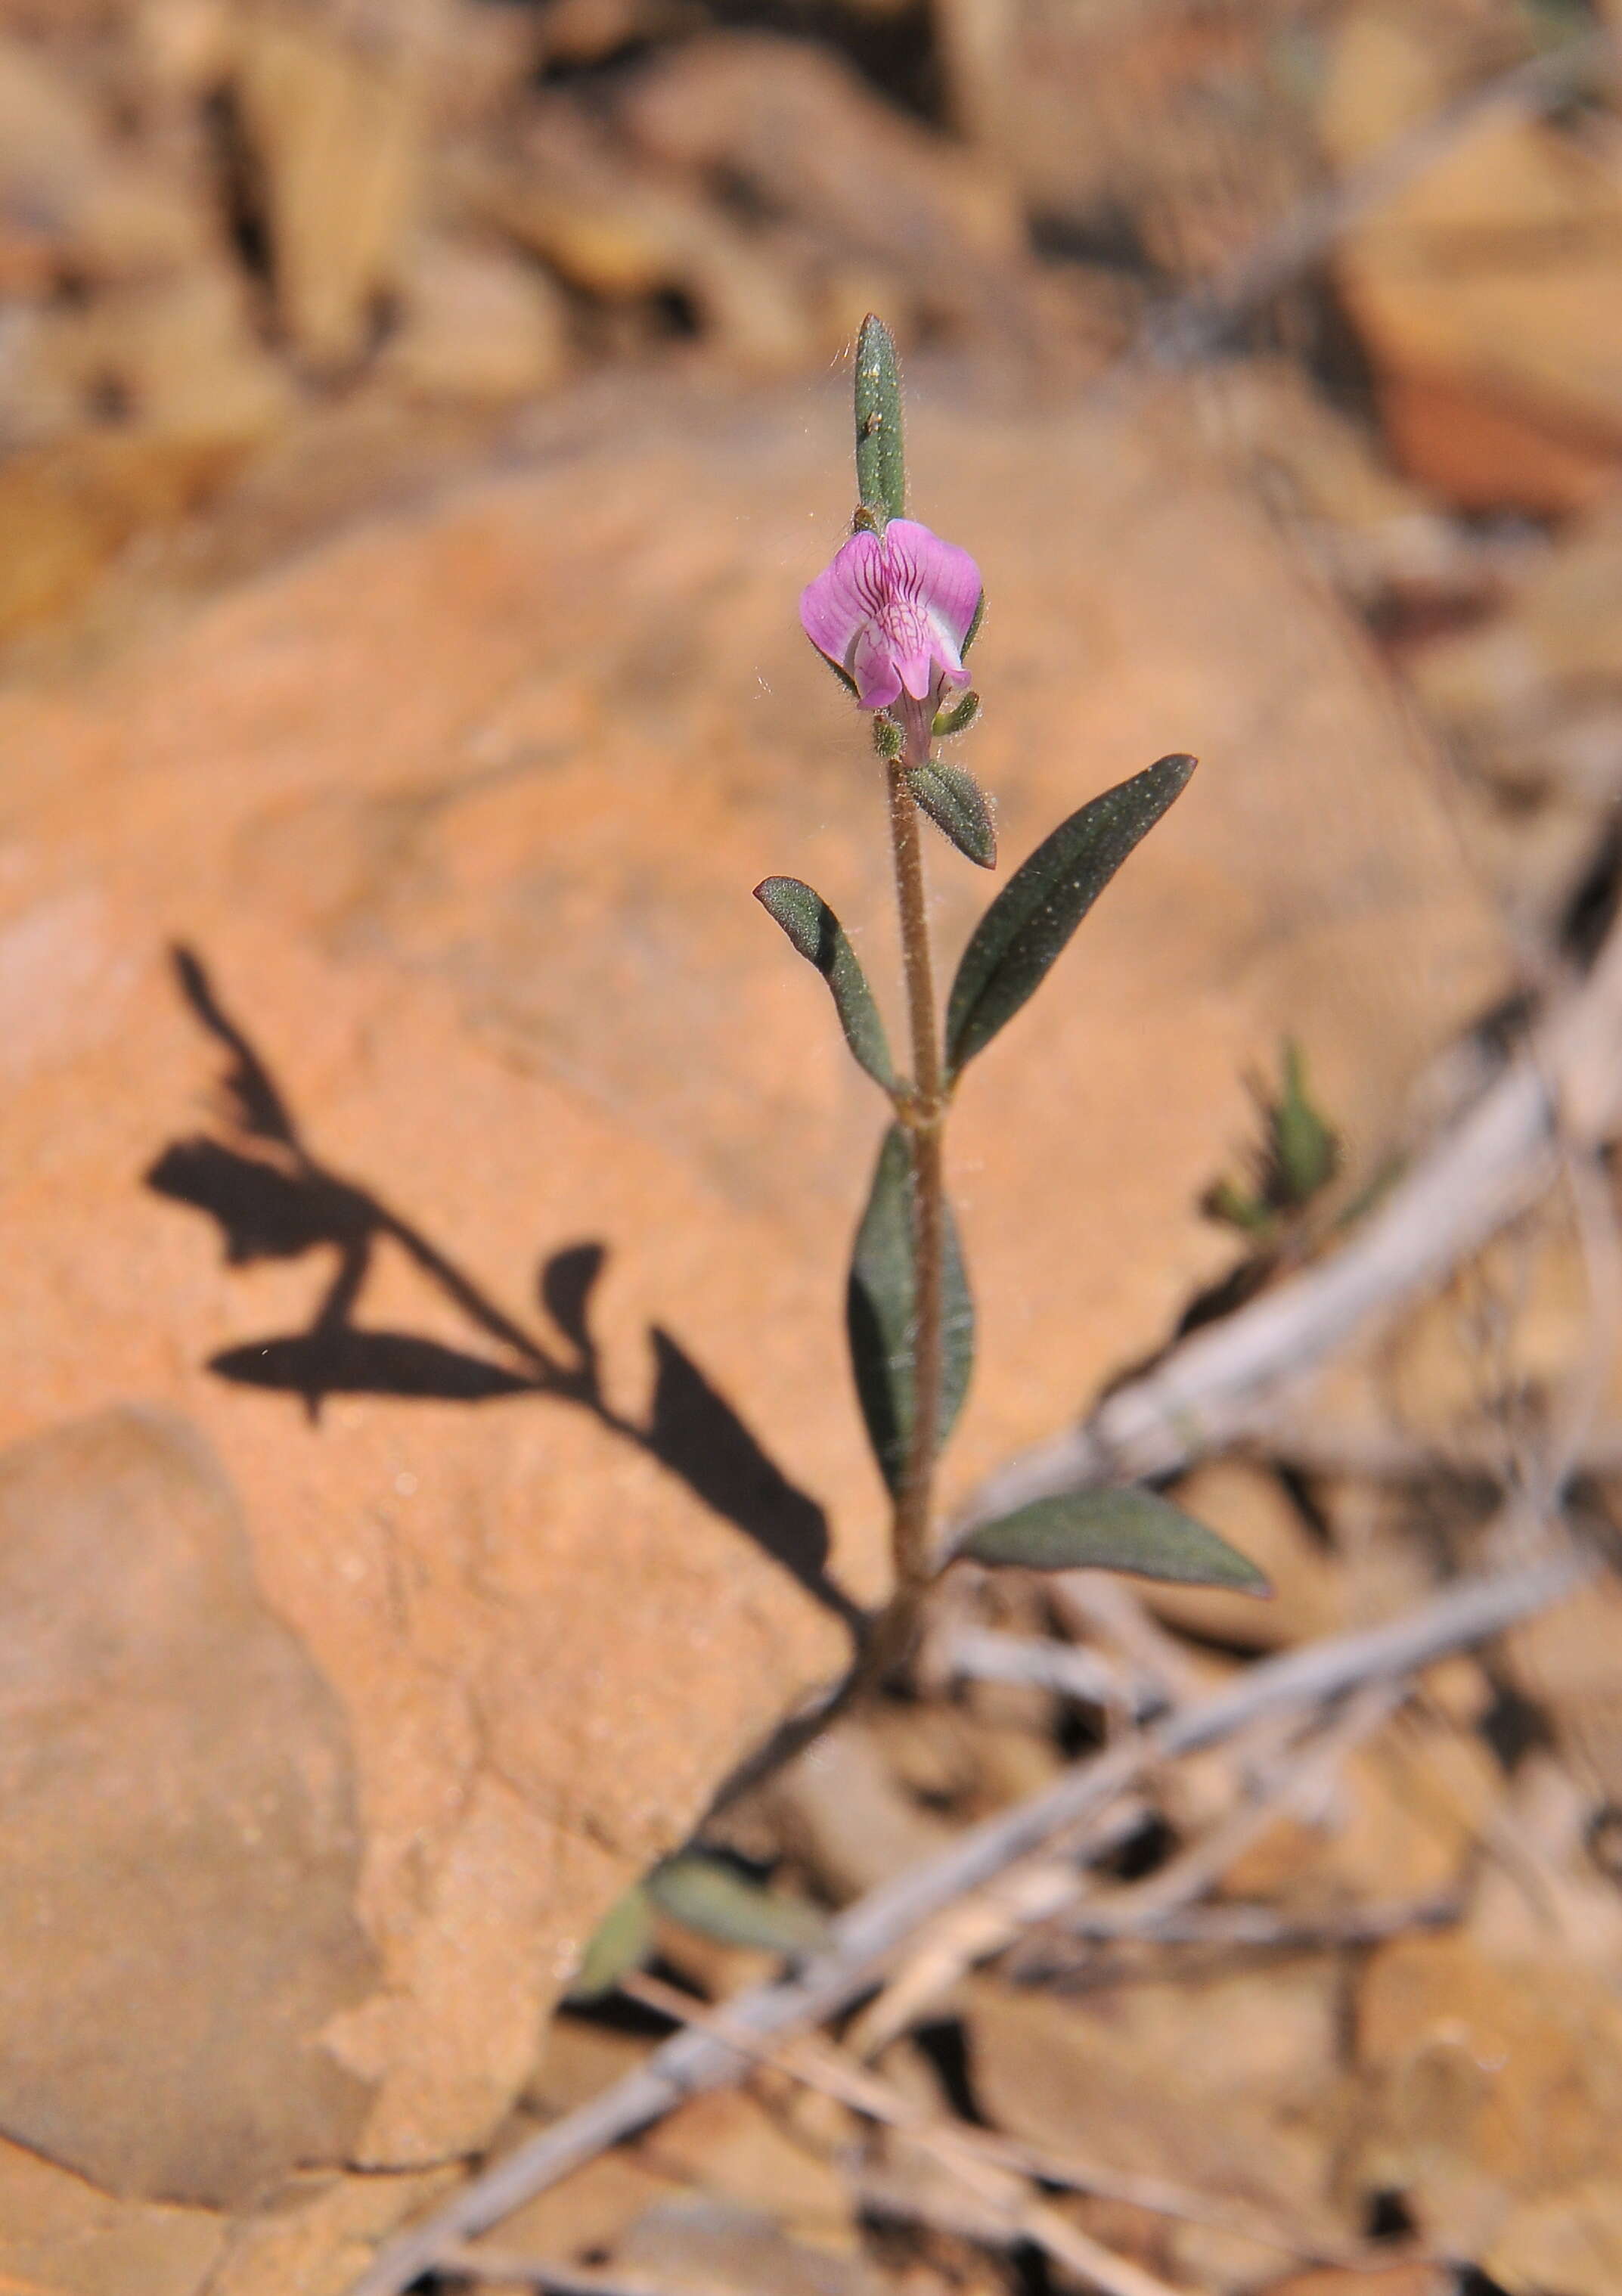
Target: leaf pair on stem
895,613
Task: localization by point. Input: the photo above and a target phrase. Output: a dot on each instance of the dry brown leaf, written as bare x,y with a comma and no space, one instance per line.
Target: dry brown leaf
336,128
1542,1893
715,2248
589,2213
478,322
1569,1663
1216,2084
1493,2087
1399,1820
176,360
1390,2280
1568,2240
805,133
732,2148
578,2059
626,232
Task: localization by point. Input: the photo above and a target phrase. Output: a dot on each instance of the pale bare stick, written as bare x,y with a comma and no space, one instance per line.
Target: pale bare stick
1239,1924
1564,1090
866,1936
1000,2187
1040,1662
1141,1907
963,1935
820,2064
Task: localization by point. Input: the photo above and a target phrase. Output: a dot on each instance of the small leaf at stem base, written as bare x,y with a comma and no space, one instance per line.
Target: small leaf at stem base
1031,921
1129,1530
881,1314
620,1943
822,940
711,1895
956,804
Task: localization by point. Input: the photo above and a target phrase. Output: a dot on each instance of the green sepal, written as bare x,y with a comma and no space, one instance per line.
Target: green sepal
1031,921
620,1943
881,1313
958,718
711,1895
973,630
1130,1530
880,450
956,804
888,739
822,940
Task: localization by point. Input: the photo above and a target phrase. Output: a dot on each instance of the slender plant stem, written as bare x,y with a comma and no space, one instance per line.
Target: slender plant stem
924,1115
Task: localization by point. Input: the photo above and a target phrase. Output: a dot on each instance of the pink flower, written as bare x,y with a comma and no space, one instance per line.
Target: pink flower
892,612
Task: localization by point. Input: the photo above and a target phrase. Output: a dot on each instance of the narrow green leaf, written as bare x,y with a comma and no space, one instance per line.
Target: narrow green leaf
1127,1530
1305,1147
711,1896
620,1944
1033,917
822,940
880,454
881,1317
956,804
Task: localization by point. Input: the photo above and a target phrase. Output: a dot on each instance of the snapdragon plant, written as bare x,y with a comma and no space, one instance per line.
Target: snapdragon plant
895,614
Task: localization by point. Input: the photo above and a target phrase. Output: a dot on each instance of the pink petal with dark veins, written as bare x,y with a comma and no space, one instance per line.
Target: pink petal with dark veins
844,599
942,578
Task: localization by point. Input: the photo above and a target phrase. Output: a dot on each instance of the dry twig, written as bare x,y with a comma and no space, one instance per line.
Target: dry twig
867,1935
1562,1092
820,2064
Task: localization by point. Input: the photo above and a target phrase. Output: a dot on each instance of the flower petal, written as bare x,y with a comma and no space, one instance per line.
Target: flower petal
943,579
842,600
916,671
872,665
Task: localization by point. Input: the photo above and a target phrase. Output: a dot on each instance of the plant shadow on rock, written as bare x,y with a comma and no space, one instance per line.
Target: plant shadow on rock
274,1199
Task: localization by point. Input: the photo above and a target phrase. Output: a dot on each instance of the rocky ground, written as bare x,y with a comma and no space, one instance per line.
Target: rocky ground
430,1470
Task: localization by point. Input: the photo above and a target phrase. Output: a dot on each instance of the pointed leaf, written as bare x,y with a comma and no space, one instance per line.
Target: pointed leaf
620,1943
956,804
1128,1530
1033,917
1304,1148
881,1313
881,463
711,1896
822,940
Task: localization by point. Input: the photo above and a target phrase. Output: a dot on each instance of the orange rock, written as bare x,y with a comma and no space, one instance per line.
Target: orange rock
506,1280
1484,289
1483,452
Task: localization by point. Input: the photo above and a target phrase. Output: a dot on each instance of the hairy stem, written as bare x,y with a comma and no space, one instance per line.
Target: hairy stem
924,1115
